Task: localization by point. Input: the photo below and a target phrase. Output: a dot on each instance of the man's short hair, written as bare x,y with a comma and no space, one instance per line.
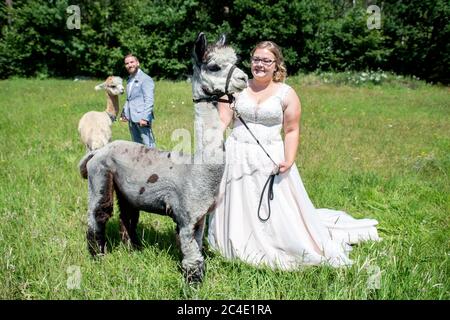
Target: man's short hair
131,55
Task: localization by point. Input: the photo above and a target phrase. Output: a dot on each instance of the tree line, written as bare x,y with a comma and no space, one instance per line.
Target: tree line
42,39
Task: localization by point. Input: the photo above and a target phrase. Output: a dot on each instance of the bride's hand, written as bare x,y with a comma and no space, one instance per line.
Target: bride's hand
284,166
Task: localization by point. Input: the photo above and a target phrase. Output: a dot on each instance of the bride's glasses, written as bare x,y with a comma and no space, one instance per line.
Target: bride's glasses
266,62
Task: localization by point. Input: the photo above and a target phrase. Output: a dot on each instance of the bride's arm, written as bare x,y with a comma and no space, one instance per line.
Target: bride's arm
291,129
225,114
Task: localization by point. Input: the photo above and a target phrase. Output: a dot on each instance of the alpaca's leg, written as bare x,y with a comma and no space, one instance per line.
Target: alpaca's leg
193,263
128,225
129,218
177,236
132,232
198,232
100,209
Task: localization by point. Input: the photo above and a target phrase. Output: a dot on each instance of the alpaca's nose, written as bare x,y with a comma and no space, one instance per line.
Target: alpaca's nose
243,78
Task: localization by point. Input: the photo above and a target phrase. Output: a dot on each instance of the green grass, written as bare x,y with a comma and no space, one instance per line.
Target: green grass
374,151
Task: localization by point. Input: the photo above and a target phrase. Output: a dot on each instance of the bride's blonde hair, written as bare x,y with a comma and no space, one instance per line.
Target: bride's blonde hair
280,68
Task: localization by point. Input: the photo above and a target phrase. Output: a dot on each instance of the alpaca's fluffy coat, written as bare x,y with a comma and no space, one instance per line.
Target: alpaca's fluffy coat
95,126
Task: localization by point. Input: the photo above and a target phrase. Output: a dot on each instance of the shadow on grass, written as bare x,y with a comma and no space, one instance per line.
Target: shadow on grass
164,240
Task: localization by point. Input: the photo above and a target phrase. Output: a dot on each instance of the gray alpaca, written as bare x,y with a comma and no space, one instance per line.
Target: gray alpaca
167,183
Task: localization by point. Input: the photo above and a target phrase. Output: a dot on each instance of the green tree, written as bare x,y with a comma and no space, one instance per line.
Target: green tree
418,33
315,35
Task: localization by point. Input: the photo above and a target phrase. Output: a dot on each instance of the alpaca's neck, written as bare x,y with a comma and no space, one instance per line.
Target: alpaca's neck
208,134
112,104
197,91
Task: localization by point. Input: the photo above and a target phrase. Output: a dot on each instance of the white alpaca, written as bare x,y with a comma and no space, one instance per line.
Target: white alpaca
95,126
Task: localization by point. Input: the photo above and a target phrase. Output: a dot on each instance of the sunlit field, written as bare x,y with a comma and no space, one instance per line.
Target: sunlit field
376,151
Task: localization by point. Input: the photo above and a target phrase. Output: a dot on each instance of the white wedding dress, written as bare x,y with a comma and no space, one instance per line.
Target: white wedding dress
296,234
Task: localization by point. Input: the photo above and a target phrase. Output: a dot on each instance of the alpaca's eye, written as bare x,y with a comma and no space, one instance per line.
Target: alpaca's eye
214,68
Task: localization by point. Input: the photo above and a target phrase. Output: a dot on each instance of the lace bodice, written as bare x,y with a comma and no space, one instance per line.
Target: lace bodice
264,119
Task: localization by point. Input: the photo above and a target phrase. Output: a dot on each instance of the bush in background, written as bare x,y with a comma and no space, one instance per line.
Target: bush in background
320,35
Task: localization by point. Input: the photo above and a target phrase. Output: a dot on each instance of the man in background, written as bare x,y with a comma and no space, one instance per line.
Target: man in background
138,109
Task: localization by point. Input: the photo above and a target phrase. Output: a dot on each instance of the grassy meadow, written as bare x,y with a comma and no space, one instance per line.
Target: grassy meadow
378,151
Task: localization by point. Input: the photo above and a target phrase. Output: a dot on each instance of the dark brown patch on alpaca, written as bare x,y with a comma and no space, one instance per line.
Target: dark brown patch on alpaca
92,243
177,237
129,217
141,191
105,207
147,150
83,166
153,178
212,207
169,211
96,242
199,224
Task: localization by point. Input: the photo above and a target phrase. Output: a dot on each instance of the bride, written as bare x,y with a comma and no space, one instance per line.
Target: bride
286,232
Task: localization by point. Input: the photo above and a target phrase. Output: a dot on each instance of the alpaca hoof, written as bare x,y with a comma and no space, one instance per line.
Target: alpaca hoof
194,277
195,274
96,251
133,245
137,246
95,247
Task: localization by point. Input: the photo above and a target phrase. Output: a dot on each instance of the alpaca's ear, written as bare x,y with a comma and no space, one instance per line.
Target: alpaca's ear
100,86
222,40
200,48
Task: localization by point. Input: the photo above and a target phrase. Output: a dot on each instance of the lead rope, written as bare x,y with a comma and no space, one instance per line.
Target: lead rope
270,180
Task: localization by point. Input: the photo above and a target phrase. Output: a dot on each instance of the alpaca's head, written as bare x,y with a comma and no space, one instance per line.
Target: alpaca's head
211,67
113,86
